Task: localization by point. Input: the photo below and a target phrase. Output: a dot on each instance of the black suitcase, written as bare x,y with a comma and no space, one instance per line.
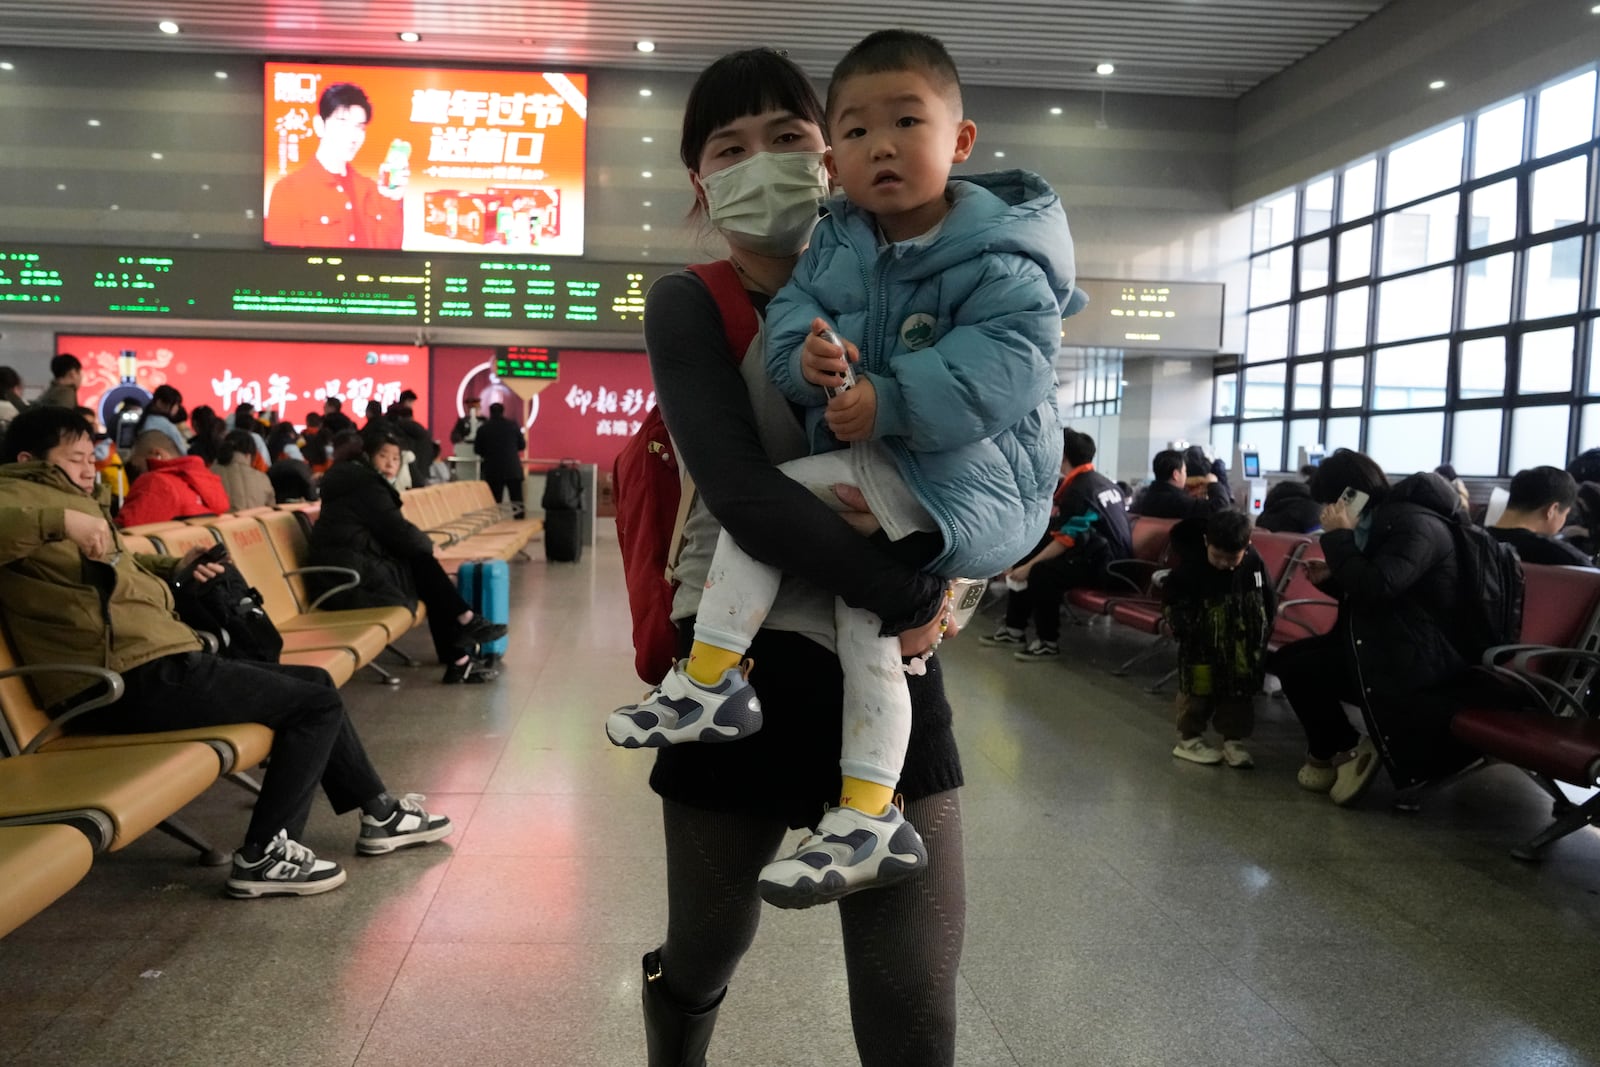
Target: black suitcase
561,541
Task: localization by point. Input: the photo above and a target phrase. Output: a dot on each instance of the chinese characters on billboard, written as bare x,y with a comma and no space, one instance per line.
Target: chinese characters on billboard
431,160
288,378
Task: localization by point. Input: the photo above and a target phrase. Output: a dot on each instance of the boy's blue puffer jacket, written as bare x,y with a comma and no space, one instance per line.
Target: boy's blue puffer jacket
958,334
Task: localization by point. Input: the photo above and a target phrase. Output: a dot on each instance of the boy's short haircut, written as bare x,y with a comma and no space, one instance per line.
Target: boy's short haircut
1538,487
1078,447
63,365
898,50
1166,461
1195,463
40,429
1228,531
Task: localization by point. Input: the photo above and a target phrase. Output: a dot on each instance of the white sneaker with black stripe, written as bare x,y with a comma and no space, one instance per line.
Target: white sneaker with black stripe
850,850
286,869
407,825
1005,635
1038,650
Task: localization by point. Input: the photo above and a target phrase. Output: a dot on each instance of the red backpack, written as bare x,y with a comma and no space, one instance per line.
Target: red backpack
651,500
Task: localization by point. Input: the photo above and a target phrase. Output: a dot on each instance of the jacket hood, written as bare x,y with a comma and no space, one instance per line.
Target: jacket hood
41,472
1286,491
186,467
1426,489
1012,211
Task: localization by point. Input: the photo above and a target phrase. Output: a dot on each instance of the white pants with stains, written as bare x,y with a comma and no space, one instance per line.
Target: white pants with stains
739,593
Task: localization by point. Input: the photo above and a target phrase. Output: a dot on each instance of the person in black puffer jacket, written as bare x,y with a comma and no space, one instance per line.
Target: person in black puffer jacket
1290,509
361,527
1400,643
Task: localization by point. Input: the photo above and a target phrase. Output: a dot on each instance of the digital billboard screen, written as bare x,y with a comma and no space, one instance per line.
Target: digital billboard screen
286,377
424,159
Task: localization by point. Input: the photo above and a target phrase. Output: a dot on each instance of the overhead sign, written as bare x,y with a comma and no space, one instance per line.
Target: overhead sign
1160,316
424,159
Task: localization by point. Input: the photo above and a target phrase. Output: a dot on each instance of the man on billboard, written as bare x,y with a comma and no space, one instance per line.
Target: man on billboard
326,203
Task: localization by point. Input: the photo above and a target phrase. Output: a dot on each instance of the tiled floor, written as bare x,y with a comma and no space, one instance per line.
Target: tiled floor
1124,908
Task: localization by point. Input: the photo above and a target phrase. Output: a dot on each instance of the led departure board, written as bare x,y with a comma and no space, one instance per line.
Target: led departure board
522,361
1161,316
365,287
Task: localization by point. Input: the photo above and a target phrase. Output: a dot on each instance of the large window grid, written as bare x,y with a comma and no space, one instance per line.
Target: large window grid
1441,294
1098,383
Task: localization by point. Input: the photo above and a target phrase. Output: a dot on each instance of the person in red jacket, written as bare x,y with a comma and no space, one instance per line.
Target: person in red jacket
172,487
326,203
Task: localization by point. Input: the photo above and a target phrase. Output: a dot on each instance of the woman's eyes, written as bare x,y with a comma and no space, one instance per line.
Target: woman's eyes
731,150
787,138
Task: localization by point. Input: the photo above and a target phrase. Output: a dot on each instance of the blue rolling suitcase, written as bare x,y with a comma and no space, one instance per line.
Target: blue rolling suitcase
486,587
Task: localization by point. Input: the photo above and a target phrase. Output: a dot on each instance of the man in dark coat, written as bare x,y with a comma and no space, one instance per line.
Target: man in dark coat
414,438
1290,509
1401,640
1541,500
1168,499
500,444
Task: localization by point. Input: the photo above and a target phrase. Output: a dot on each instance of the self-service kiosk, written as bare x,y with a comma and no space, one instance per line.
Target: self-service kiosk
1249,480
1311,456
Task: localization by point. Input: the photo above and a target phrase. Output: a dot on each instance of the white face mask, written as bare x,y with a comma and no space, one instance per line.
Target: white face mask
768,203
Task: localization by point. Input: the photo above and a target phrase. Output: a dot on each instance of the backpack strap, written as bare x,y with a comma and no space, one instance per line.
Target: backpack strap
739,321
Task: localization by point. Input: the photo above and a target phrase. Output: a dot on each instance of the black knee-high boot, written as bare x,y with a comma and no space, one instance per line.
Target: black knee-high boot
674,1037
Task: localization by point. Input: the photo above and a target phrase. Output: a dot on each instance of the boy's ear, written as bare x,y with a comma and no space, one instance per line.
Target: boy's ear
830,164
966,138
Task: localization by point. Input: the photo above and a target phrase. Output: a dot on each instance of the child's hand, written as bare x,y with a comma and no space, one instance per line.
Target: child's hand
852,414
822,362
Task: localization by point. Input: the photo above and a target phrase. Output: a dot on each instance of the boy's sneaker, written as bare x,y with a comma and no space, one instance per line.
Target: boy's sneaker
681,709
286,869
409,825
1037,650
1235,755
1195,750
849,850
1004,636
1354,772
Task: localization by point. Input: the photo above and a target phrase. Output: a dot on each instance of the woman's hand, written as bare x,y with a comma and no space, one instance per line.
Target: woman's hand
1019,573
925,639
858,513
822,363
853,413
1317,571
1336,516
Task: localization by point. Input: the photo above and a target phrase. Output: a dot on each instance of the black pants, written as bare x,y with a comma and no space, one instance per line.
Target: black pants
1317,676
1048,582
439,595
313,740
512,488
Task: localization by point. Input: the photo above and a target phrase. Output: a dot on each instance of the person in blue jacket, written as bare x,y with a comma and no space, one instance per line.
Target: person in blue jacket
950,295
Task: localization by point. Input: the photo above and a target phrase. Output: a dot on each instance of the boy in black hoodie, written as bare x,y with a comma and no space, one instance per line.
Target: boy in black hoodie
1220,604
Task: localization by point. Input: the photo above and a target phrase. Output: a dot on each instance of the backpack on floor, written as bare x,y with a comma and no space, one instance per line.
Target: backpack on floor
229,609
653,495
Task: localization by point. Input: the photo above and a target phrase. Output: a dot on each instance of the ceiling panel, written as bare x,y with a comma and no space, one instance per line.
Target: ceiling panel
1209,48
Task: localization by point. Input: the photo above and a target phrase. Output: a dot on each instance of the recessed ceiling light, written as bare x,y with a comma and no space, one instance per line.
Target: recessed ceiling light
195,236
646,227
647,203
113,207
156,155
94,122
8,66
205,188
409,36
646,174
1055,111
249,212
61,187
999,155
646,46
1436,84
222,75
167,26
1595,10
645,92
648,140
1106,68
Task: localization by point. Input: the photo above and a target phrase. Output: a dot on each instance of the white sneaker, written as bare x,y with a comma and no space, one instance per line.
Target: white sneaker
1037,650
1235,755
680,709
408,825
286,869
850,850
1004,636
1195,750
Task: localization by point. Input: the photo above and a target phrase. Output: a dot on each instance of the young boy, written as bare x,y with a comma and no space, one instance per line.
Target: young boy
954,291
1220,604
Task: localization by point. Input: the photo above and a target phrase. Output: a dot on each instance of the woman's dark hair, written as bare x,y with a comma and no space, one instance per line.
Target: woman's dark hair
9,379
281,435
376,441
316,448
739,84
38,430
1585,466
1347,469
235,443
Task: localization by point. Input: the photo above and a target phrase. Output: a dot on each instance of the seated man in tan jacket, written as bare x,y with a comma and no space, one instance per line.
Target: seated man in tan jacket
71,593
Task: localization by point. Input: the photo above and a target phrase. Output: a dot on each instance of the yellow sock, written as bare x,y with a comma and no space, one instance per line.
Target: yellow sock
868,797
708,663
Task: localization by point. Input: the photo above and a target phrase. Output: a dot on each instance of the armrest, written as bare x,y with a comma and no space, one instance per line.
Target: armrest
353,580
1133,573
450,536
1516,661
1546,694
113,693
1285,616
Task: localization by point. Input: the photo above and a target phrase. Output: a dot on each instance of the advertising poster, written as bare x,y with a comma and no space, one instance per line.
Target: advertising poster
289,378
437,160
587,414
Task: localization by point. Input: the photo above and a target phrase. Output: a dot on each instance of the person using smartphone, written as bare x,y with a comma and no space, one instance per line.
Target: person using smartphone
1401,636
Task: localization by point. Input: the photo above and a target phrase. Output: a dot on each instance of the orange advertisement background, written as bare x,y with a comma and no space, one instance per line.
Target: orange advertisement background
391,91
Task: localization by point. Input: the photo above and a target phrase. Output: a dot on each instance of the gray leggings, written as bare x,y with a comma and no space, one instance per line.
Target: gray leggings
902,945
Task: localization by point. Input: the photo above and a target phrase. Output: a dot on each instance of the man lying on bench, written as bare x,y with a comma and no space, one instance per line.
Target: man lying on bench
70,594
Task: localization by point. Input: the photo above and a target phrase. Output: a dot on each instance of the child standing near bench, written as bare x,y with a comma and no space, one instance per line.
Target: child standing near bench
1221,606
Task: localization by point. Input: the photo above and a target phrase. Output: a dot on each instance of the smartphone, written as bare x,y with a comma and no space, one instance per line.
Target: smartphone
1354,500
215,554
968,595
849,371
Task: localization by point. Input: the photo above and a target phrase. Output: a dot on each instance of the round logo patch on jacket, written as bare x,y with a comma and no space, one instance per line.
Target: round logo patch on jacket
917,331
